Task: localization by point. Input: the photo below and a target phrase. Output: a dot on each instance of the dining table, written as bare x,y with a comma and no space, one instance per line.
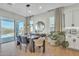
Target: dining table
32,44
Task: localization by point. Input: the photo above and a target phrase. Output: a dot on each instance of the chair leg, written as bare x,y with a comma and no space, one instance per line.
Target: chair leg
18,43
20,46
26,48
33,47
44,46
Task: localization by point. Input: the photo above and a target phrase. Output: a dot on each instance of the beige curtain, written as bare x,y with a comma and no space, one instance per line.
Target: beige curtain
58,18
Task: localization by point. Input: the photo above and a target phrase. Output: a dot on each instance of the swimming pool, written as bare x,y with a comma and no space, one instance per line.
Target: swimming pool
6,38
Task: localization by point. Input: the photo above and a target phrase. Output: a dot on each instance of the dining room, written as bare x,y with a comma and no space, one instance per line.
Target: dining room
30,29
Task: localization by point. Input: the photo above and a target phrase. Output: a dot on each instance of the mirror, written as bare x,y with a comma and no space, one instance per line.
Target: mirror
39,26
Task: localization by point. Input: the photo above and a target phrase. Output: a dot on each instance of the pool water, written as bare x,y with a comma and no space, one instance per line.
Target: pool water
6,38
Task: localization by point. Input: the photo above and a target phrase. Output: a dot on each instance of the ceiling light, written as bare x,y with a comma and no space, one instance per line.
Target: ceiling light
40,7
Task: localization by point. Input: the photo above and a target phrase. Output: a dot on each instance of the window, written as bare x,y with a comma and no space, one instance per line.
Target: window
31,25
52,23
21,27
7,29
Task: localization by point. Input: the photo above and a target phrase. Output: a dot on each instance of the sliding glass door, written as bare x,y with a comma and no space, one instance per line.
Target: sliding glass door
7,30
21,27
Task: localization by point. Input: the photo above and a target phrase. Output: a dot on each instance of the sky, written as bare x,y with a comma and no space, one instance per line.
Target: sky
10,24
21,24
7,23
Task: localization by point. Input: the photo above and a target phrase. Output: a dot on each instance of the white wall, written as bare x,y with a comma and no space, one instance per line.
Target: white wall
44,17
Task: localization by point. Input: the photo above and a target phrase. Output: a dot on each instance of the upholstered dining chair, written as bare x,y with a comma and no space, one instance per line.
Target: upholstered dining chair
40,43
22,41
18,39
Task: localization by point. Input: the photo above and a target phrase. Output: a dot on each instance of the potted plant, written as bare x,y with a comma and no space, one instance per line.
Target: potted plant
65,44
53,36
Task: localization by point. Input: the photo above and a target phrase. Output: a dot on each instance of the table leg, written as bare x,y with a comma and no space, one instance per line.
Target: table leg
33,46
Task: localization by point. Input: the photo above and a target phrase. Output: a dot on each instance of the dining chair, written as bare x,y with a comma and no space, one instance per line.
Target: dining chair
23,41
39,43
18,40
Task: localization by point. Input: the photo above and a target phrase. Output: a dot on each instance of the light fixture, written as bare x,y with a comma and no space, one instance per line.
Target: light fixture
28,5
40,7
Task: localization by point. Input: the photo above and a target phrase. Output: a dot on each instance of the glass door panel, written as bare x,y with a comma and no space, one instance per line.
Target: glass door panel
20,28
7,30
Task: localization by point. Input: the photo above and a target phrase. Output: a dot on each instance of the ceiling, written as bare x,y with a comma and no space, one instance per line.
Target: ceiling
34,9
